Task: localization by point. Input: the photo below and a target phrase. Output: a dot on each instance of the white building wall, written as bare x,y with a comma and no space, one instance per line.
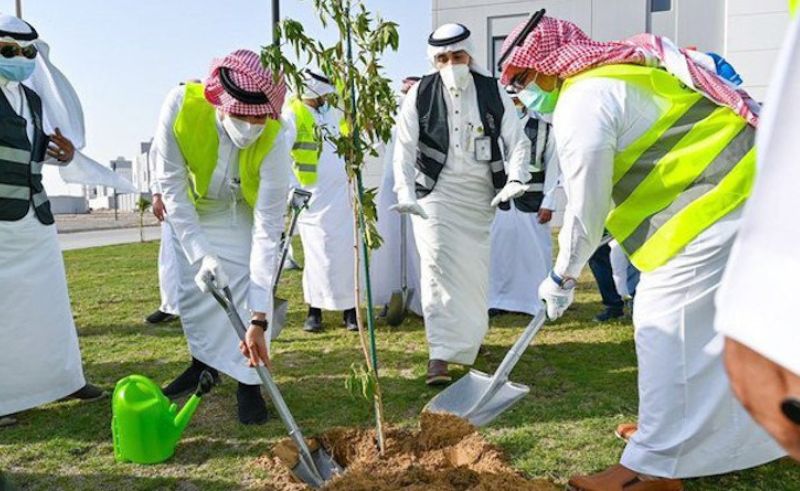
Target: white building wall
487,19
64,198
755,31
747,32
103,197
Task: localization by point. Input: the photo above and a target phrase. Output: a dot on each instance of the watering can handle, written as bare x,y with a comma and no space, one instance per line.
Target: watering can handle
205,384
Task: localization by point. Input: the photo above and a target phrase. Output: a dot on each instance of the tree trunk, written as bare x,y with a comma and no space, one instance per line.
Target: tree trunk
357,235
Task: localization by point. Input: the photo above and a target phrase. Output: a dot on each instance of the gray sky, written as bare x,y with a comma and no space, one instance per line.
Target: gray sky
124,56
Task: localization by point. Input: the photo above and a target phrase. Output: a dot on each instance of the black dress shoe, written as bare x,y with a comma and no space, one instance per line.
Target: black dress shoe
159,317
496,312
313,322
610,314
350,320
251,406
88,393
186,382
8,420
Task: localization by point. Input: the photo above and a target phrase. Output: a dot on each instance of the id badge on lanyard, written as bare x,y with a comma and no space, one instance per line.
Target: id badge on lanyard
483,149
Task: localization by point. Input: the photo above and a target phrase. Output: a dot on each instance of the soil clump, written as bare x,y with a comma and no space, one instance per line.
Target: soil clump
445,454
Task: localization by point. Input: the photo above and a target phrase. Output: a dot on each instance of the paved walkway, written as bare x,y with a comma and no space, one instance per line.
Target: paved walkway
83,240
101,220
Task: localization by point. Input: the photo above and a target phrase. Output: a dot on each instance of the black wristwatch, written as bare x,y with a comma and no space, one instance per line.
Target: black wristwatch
566,283
261,324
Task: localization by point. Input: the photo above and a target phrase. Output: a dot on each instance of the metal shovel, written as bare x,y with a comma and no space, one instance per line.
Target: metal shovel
298,201
398,303
313,468
480,398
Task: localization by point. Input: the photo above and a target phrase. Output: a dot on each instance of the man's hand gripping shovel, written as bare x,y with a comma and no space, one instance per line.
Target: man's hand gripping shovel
313,467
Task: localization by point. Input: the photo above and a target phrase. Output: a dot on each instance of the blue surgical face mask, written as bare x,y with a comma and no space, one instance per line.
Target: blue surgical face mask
323,109
17,68
538,100
521,112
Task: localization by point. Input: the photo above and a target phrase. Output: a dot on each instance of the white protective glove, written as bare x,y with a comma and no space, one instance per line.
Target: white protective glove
211,268
512,189
410,207
556,298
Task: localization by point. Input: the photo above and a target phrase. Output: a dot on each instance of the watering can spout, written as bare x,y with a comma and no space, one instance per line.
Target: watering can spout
185,415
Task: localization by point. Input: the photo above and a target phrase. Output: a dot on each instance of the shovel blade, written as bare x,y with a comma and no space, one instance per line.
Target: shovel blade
326,468
396,309
461,397
280,310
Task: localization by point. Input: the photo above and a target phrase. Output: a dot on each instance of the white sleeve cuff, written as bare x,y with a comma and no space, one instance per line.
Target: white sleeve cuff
194,250
406,195
547,202
519,173
259,300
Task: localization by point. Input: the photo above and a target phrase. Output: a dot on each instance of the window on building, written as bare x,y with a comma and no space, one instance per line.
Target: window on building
497,50
660,5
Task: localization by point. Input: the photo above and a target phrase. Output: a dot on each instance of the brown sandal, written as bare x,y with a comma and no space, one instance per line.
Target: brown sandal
438,373
620,478
625,431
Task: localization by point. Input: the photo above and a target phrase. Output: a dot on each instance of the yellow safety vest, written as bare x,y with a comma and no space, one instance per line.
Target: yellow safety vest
696,164
195,130
307,144
793,7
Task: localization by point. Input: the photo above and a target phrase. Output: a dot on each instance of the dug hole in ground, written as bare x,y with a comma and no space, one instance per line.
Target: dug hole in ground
446,453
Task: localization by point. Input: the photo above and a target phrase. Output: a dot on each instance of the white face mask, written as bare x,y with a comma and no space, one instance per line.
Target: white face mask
241,132
455,76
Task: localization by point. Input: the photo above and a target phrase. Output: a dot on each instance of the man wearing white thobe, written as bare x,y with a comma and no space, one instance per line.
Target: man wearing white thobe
522,249
40,360
168,274
614,125
326,226
454,131
223,171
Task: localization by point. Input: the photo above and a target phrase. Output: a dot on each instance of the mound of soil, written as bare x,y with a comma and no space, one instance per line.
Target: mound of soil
445,454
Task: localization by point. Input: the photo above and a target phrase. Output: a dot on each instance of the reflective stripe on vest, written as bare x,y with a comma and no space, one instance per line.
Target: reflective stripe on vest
307,145
695,165
15,155
195,130
9,191
434,132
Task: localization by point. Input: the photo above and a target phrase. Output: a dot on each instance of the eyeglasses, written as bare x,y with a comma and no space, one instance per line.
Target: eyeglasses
12,50
519,81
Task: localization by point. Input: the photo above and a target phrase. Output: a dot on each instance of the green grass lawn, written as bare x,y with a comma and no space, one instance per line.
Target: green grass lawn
582,376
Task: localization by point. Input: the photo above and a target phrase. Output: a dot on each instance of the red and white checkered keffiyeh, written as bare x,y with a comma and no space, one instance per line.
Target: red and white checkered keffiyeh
247,72
561,48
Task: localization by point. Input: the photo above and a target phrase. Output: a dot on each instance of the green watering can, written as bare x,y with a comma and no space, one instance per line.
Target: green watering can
145,425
